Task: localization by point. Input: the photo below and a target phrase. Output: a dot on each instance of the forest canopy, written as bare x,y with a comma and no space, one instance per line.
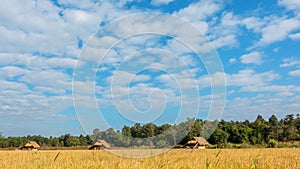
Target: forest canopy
259,132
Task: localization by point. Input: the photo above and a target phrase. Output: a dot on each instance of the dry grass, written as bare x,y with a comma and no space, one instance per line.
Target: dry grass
227,158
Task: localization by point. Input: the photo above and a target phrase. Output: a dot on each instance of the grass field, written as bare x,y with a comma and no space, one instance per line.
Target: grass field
177,158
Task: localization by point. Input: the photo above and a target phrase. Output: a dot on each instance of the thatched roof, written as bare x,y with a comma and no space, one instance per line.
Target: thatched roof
198,140
100,143
31,144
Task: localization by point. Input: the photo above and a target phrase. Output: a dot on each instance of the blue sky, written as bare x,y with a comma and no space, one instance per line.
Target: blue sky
257,44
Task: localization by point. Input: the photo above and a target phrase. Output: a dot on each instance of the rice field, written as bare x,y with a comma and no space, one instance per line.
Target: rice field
176,158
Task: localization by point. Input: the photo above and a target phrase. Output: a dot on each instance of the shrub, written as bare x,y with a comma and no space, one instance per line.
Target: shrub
272,143
244,145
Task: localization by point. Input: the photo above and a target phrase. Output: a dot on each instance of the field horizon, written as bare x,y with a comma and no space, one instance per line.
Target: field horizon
175,158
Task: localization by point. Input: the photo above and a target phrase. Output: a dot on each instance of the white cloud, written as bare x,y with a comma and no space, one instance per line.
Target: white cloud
45,31
275,50
51,29
178,81
290,4
250,77
232,60
13,86
294,73
228,40
81,19
295,36
103,42
83,5
43,79
18,102
199,11
141,78
252,58
12,71
290,62
278,29
224,33
265,105
33,107
161,2
244,78
229,19
156,24
84,88
120,77
36,62
50,78
45,90
253,23
279,89
121,3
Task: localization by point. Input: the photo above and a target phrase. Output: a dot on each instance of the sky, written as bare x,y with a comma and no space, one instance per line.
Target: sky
69,66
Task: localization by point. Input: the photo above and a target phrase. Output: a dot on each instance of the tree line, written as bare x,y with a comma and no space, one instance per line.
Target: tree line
223,133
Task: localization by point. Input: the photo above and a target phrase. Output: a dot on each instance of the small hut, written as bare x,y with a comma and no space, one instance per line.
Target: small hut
196,143
100,144
30,145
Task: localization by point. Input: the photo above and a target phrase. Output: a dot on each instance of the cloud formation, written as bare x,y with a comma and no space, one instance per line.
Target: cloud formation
41,41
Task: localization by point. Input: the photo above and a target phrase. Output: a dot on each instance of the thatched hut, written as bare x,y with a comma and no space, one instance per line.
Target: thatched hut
30,145
196,143
100,144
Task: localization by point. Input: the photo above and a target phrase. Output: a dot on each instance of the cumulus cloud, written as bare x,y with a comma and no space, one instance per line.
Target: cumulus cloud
51,78
232,60
295,36
19,102
12,71
243,78
141,78
229,19
294,73
40,44
228,40
253,23
223,31
52,29
161,2
290,4
290,62
36,62
249,77
44,32
278,30
252,58
266,105
198,13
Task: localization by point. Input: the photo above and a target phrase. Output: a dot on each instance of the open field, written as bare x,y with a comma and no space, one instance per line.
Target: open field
177,158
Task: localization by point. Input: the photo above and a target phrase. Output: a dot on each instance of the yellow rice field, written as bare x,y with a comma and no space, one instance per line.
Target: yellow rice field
177,158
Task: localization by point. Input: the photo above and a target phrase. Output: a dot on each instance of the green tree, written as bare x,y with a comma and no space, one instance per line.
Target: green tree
290,131
136,130
273,120
297,125
148,130
54,142
126,131
274,128
96,135
260,132
162,129
219,137
89,140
